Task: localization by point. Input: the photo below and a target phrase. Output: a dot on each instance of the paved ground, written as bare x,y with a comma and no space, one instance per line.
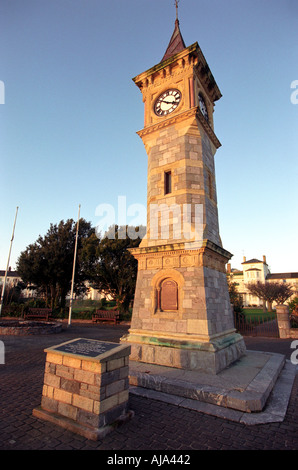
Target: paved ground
156,425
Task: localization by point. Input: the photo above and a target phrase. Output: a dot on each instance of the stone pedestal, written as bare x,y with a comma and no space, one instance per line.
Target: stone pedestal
86,387
283,321
190,325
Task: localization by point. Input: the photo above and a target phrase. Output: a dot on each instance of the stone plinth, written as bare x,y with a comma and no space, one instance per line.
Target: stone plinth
187,352
86,387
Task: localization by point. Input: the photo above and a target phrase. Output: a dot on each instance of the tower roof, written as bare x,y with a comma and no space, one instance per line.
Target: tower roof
176,43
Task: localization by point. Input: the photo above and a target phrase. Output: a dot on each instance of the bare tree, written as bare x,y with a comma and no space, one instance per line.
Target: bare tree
284,292
271,291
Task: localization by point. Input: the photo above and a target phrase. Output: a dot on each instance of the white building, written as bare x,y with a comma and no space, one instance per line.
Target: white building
255,270
12,279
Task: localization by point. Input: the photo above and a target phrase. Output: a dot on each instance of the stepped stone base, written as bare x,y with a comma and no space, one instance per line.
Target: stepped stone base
244,387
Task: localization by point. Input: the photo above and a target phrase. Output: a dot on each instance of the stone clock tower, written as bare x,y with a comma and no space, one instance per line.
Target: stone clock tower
182,315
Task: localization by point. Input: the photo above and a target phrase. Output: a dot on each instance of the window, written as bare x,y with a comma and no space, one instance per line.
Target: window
168,182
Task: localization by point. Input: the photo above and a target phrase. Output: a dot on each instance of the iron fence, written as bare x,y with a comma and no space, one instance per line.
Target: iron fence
258,325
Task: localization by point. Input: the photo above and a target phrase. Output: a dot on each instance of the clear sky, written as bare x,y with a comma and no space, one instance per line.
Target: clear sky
71,111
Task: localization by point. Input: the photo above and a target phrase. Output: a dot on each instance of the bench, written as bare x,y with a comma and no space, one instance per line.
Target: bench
106,315
38,313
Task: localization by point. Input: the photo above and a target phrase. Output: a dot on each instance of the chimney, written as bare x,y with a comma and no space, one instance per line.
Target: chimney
264,259
244,259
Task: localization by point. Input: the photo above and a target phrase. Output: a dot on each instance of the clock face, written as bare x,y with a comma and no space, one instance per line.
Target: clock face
203,107
167,102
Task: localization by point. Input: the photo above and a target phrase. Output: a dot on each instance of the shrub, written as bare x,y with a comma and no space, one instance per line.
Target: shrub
82,314
293,309
13,310
293,305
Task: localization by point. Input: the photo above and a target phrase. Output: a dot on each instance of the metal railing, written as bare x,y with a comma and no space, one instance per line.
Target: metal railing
257,325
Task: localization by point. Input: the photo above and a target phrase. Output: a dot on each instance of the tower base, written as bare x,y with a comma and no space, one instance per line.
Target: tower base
186,353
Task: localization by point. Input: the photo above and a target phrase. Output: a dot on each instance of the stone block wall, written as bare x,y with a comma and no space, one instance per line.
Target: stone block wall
284,324
189,156
83,394
203,298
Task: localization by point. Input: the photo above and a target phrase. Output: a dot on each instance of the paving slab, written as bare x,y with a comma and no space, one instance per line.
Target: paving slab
254,390
157,425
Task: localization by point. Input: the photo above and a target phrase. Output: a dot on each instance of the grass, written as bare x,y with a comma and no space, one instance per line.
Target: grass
257,314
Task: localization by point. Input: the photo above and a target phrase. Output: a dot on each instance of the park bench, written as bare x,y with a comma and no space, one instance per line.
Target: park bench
38,314
106,315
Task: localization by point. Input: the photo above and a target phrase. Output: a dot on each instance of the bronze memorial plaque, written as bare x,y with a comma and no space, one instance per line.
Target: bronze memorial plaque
169,295
85,347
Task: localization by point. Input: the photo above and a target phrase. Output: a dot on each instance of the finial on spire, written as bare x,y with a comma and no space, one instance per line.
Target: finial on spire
176,3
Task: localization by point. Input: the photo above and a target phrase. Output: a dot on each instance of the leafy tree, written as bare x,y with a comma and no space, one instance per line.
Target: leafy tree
293,308
13,292
270,291
293,305
47,264
112,268
236,300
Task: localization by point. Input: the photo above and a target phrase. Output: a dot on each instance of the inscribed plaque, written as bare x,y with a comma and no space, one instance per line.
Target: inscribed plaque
169,295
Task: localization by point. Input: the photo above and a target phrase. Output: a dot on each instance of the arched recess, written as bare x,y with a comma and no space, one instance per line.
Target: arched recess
167,292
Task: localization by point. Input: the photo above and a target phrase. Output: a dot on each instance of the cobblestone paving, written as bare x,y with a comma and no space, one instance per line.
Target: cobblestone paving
155,426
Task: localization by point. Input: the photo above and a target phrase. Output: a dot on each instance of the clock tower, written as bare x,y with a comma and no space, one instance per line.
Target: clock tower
182,315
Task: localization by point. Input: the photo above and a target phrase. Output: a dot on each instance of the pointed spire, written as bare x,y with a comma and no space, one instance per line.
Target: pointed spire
176,43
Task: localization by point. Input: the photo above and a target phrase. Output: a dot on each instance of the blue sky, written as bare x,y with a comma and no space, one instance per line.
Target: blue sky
68,125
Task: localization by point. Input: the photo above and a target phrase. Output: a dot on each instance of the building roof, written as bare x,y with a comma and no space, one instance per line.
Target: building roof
9,273
176,43
282,276
254,260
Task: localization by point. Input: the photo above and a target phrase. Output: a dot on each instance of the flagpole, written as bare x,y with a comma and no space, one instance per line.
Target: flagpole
73,269
3,287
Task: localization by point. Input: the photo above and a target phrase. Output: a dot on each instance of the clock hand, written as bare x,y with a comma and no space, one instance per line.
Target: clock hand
169,102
